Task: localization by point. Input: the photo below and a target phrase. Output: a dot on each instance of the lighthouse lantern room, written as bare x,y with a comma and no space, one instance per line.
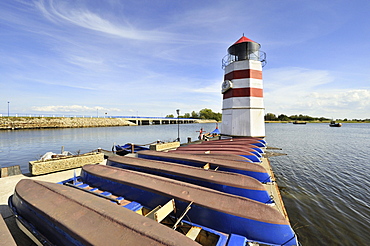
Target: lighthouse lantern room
242,89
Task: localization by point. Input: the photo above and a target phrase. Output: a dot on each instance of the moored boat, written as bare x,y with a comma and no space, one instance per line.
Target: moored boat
129,148
250,148
240,140
61,215
232,183
334,124
299,122
82,218
231,145
249,155
246,168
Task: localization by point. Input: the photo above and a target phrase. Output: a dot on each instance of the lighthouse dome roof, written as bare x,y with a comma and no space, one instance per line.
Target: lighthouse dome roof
244,39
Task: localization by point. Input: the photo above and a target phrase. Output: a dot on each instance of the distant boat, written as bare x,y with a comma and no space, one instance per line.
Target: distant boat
333,124
299,122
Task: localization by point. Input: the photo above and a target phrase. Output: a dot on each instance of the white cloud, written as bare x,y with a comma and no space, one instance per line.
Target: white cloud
302,91
355,99
60,13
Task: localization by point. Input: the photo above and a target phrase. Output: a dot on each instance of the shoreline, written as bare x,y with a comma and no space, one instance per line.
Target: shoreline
24,123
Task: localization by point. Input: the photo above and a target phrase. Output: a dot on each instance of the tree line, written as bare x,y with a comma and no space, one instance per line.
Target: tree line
204,114
208,114
283,117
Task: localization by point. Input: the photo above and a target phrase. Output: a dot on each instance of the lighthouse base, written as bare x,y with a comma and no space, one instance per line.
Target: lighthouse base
243,122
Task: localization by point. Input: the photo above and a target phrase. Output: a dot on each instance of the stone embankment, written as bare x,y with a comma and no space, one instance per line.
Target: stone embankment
14,123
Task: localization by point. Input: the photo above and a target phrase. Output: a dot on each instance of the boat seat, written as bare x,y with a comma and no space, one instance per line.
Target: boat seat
134,206
161,212
193,232
106,193
83,186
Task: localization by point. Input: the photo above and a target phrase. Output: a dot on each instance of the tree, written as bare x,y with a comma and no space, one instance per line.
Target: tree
283,117
209,114
216,116
206,113
270,116
194,115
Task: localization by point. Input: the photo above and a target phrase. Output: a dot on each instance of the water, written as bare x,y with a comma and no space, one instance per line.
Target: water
21,146
324,178
325,181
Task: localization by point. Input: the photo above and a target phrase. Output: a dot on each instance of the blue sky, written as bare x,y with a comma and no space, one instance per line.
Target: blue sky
149,58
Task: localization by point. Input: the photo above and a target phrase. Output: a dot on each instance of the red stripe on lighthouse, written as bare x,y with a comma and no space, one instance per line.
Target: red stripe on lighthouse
244,74
244,92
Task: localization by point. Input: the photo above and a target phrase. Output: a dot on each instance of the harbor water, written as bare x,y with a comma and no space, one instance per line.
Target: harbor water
324,178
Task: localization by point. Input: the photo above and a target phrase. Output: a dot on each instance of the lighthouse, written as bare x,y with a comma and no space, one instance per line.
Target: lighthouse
242,89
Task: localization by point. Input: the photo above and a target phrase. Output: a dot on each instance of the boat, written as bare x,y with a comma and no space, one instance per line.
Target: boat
299,122
255,151
52,155
209,150
232,183
128,148
251,149
213,161
237,141
213,134
217,218
54,214
334,124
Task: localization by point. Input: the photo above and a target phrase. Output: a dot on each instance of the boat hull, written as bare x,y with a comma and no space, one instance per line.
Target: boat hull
216,210
231,183
235,166
66,216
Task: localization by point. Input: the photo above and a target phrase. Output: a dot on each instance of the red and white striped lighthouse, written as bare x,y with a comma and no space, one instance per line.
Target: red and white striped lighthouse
242,89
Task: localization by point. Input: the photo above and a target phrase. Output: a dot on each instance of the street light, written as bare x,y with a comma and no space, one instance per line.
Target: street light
8,109
178,125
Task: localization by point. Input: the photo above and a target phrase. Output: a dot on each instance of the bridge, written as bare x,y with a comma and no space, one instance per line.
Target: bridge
157,120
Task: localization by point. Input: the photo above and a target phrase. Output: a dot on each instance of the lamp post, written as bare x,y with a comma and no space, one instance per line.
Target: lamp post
8,109
178,125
